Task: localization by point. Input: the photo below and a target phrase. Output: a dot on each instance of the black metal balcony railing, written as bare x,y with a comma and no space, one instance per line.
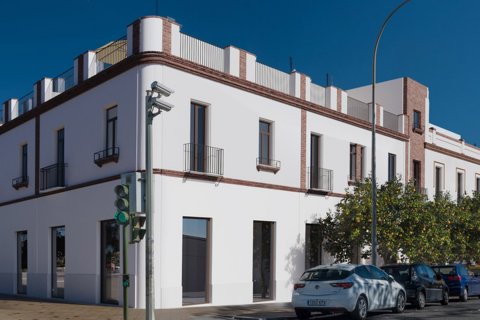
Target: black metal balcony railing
266,164
320,179
52,176
20,182
202,158
105,156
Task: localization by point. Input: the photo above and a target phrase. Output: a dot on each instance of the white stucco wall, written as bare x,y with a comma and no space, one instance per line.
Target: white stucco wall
389,94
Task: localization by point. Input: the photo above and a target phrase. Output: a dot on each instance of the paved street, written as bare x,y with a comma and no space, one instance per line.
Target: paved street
12,308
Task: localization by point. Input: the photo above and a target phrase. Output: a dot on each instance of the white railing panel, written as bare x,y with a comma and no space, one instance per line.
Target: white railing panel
317,94
201,52
272,78
357,109
390,120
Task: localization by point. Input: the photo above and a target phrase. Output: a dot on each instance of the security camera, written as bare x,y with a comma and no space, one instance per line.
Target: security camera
162,105
161,89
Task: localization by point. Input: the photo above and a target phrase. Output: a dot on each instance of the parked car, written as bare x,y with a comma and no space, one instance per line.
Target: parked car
420,282
355,289
459,280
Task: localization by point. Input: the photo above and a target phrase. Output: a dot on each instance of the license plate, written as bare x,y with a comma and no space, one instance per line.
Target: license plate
316,302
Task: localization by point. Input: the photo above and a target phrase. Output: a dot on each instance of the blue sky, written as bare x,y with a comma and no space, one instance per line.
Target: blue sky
436,42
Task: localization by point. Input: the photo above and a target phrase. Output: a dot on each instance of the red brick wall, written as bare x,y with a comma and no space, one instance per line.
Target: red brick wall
167,36
303,150
243,64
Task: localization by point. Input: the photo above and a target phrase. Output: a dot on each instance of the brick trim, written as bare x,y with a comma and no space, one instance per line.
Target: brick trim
303,87
136,37
243,64
80,75
339,100
303,150
167,36
195,69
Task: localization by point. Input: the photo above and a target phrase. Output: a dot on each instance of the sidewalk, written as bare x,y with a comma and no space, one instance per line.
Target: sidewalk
21,308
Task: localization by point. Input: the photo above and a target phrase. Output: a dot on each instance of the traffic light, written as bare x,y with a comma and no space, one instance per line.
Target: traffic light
122,216
137,229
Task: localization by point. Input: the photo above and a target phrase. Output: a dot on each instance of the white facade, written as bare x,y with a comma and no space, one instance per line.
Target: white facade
237,93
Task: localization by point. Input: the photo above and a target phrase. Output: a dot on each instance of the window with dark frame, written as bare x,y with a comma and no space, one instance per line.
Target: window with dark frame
460,189
362,161
314,161
353,160
477,184
24,162
417,124
313,245
416,174
60,146
198,137
438,181
392,166
264,148
111,131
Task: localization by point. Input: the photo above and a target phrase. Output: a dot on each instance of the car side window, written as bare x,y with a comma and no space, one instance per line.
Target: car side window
462,271
377,273
430,273
421,271
363,272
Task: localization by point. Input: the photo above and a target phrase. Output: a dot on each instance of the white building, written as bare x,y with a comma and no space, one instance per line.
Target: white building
243,164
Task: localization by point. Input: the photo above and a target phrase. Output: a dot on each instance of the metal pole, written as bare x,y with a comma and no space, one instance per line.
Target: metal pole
125,272
149,284
374,107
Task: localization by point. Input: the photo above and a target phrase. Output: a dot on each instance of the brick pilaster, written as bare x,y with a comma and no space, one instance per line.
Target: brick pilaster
303,150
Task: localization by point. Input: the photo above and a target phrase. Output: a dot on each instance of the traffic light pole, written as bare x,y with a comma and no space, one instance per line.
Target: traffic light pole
125,273
149,285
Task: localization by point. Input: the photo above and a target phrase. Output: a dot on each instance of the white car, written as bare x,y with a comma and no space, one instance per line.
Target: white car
355,289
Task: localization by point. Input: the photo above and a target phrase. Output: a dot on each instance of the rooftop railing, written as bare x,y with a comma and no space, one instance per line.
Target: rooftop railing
111,53
390,120
357,109
272,78
63,81
317,94
25,103
201,52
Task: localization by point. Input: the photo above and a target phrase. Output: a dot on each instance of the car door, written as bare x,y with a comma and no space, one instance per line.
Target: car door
431,292
369,286
383,290
437,285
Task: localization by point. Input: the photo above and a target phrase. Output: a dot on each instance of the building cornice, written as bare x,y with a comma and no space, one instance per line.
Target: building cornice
451,153
196,69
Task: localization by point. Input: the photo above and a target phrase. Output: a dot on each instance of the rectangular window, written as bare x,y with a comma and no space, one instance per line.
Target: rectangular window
392,166
438,181
60,157
314,161
195,262
110,275
313,246
22,262
361,163
416,175
417,124
198,134
460,185
264,141
24,162
58,262
111,131
477,184
353,162
263,266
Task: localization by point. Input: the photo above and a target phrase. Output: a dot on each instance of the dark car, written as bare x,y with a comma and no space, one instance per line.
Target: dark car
459,281
420,282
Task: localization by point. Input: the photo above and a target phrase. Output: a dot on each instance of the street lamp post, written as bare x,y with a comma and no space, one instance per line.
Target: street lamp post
374,107
154,106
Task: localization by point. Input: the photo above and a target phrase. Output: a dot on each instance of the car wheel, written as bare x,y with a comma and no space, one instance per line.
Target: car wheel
420,301
360,312
400,306
445,298
302,314
464,295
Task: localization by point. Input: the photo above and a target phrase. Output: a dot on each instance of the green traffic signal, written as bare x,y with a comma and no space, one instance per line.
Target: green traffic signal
122,218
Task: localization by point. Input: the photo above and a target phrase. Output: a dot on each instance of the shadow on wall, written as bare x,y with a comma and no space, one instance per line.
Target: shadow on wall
295,261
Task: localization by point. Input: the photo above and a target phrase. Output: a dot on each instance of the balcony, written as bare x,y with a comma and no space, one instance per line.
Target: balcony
270,165
105,156
52,176
20,182
320,179
203,159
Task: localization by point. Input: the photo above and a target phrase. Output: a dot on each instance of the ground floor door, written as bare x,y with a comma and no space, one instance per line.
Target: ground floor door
22,262
58,262
263,241
110,262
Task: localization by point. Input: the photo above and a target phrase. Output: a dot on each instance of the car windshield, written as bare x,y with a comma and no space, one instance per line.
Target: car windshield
399,273
325,275
446,271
